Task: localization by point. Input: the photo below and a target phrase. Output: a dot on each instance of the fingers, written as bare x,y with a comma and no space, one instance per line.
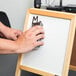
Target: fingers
18,33
1,35
35,28
15,34
39,43
35,31
40,36
14,38
38,31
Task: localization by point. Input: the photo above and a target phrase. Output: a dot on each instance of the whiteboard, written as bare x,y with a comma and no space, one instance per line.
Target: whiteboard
56,36
54,56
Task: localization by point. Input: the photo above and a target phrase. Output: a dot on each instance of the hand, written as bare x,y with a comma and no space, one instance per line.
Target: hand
29,39
10,33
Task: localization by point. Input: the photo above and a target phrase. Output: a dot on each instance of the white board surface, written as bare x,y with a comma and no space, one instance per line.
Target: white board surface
50,56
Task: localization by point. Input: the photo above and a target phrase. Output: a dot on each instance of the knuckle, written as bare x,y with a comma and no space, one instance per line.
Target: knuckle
37,27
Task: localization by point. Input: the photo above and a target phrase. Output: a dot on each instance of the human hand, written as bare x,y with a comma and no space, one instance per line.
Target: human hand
30,39
10,33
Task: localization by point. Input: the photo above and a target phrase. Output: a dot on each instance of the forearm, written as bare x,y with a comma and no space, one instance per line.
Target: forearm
8,46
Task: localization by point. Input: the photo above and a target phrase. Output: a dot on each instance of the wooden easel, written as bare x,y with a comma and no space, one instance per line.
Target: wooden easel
67,58
73,57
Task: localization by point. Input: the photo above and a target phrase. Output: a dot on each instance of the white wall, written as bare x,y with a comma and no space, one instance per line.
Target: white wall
16,10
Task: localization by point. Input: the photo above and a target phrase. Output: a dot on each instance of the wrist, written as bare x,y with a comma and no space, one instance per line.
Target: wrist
19,45
16,47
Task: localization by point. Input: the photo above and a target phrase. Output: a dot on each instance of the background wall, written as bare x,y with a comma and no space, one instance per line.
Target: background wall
16,11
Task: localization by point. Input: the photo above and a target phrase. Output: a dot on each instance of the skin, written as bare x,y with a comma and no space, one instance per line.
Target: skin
20,42
9,33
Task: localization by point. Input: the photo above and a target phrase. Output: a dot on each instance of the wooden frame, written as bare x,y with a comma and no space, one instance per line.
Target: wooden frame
67,58
73,57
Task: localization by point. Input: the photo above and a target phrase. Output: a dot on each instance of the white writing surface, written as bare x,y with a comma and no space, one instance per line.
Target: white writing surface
50,56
